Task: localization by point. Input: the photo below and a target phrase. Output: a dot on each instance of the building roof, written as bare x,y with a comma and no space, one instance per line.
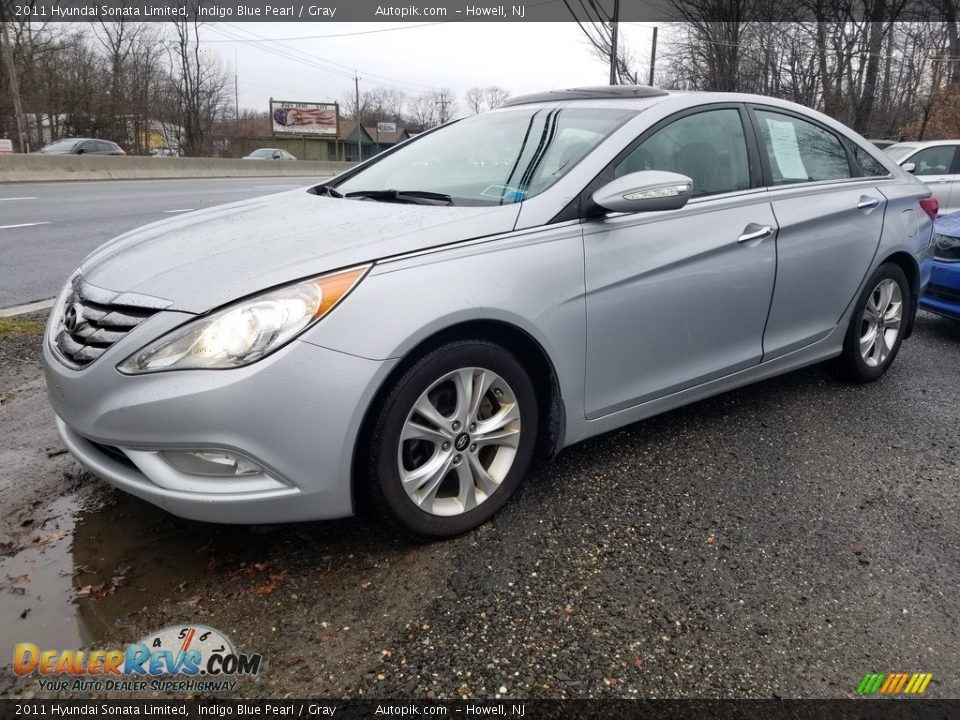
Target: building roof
348,132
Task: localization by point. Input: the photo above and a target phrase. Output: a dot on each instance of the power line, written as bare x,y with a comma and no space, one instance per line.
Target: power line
310,60
339,35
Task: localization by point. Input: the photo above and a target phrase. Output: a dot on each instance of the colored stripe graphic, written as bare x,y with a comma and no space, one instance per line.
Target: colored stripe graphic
894,683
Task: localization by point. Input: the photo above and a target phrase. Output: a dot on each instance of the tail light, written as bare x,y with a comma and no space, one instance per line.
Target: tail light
930,206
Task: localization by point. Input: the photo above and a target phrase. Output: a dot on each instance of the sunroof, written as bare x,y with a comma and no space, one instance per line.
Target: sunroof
599,92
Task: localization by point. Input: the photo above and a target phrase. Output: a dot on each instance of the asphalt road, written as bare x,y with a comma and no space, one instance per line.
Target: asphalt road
781,540
46,229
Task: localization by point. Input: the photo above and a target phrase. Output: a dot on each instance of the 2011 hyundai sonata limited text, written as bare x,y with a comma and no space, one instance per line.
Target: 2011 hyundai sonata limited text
421,327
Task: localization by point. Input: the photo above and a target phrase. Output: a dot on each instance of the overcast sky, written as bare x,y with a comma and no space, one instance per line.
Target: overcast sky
520,57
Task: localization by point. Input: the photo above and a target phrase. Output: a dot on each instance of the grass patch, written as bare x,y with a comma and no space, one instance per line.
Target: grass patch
11,326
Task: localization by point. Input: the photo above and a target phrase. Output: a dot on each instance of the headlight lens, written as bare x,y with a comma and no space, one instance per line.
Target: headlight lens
946,247
246,331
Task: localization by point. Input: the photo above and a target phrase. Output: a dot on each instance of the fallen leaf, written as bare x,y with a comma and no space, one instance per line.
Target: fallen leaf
19,579
711,539
261,566
272,584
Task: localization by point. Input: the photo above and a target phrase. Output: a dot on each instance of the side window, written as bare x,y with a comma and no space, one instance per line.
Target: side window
104,146
933,160
709,147
868,163
800,151
89,146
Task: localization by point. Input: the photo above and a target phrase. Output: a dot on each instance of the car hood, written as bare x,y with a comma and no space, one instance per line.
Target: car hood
948,225
204,259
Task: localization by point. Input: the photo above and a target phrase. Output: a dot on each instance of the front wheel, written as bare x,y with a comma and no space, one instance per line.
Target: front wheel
453,439
877,325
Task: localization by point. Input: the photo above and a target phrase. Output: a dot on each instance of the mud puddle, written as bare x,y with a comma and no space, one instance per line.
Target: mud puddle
86,569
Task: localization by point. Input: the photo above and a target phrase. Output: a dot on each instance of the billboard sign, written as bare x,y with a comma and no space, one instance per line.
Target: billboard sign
299,118
386,127
6,146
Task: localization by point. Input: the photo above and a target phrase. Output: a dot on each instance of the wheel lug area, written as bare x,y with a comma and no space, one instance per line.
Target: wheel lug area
457,459
473,448
445,446
456,425
473,427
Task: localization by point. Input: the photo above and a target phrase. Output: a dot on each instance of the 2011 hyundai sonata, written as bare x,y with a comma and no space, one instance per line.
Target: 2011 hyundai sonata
419,328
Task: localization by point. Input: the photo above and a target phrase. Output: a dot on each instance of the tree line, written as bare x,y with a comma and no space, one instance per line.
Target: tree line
135,82
859,61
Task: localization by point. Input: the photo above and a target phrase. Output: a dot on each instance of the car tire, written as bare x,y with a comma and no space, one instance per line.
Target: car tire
439,466
877,325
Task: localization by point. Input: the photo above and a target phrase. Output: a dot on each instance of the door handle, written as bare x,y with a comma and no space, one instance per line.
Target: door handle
755,232
866,203
938,181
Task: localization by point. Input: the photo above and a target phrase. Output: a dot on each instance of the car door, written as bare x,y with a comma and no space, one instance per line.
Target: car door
830,219
936,167
677,298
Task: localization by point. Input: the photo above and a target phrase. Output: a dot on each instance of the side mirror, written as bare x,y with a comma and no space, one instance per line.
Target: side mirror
276,156
909,167
645,191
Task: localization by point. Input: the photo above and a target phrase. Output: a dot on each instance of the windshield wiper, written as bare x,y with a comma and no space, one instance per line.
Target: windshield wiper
416,197
327,190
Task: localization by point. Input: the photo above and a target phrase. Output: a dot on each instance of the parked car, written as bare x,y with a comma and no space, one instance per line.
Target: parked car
81,146
412,334
164,152
936,163
269,154
943,292
882,144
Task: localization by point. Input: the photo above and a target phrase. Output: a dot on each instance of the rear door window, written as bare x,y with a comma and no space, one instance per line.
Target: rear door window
799,151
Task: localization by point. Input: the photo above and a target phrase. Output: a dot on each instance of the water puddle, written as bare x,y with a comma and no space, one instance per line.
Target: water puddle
83,571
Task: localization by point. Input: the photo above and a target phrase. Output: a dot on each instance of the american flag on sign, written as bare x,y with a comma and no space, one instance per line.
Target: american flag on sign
304,117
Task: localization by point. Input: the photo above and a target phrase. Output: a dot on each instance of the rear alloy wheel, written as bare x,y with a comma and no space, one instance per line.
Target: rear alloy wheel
876,329
454,438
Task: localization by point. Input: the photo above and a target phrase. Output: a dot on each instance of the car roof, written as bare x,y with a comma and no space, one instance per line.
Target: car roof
597,92
924,143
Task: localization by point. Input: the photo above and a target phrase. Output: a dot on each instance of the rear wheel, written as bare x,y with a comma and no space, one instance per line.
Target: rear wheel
453,439
877,326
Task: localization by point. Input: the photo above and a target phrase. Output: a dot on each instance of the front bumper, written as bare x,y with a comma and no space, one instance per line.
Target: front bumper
296,414
942,295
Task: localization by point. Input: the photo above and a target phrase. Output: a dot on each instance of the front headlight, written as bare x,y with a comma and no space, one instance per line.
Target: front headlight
245,331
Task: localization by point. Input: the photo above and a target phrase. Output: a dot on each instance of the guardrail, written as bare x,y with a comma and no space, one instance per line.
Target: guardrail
50,168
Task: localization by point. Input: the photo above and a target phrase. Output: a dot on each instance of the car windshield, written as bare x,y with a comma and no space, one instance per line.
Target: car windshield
898,152
492,159
59,146
263,153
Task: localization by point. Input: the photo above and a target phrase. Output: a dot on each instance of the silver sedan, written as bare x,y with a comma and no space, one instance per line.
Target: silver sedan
413,333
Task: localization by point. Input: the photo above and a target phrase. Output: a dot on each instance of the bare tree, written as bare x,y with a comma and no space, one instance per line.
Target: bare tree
199,86
474,100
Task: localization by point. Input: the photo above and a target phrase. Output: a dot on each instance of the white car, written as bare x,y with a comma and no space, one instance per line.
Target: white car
936,163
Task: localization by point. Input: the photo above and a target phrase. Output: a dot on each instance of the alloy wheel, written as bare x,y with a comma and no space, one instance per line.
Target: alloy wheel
459,441
881,321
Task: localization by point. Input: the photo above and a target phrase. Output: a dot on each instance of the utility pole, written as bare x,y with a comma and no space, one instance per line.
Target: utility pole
236,86
356,88
614,27
653,54
14,87
442,102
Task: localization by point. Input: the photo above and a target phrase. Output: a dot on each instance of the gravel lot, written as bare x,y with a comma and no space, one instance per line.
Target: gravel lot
780,540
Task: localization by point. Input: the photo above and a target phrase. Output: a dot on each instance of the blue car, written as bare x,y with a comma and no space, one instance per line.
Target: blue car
943,292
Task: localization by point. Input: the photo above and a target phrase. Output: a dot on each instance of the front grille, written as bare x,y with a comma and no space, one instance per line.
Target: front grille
91,320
